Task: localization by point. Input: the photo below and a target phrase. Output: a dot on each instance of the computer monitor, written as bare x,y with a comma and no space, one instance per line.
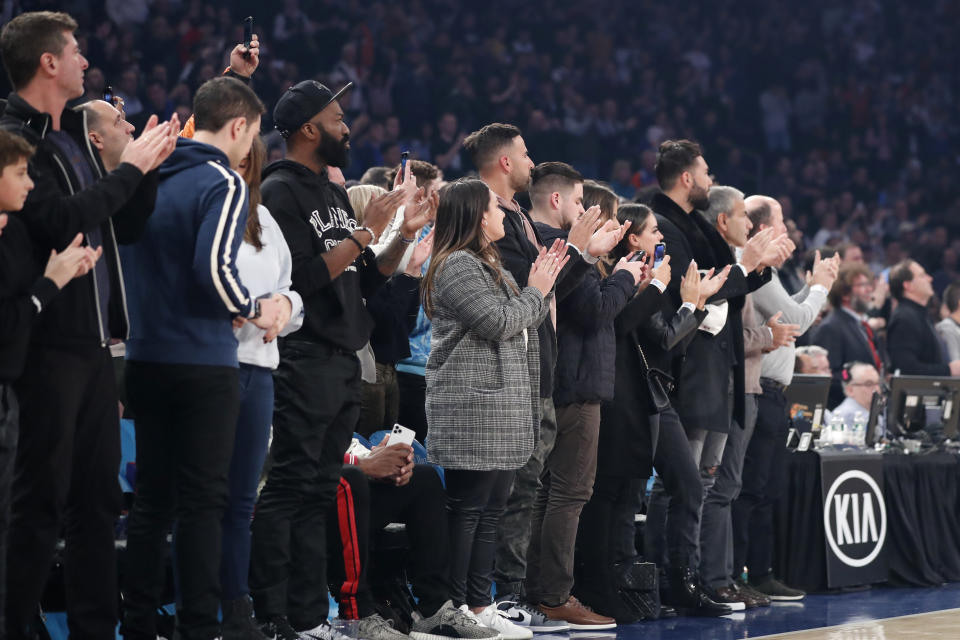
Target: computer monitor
874,433
923,403
806,402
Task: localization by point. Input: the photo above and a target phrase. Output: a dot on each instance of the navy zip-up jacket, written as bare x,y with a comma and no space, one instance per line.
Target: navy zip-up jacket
183,287
586,343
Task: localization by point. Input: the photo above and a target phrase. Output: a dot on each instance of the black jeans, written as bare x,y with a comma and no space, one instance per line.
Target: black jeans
673,525
475,501
9,421
363,508
65,478
763,479
603,540
186,418
317,403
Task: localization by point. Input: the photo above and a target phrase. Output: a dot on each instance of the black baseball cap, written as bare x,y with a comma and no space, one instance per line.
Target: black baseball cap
301,102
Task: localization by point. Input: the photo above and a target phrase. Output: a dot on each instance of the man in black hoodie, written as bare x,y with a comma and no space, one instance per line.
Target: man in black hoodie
318,380
24,292
69,447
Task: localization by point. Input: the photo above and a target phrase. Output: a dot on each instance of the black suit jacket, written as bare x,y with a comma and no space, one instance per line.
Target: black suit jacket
518,253
843,337
913,344
703,381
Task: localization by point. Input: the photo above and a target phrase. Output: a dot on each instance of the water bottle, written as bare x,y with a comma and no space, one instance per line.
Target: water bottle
836,430
858,437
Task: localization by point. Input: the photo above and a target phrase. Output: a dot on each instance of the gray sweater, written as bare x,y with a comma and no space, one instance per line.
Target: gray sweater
802,309
949,333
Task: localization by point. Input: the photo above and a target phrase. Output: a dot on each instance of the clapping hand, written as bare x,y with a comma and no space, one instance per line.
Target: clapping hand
420,254
783,334
548,265
72,262
607,237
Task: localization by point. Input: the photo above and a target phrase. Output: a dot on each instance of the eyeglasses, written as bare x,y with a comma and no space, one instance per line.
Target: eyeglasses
863,384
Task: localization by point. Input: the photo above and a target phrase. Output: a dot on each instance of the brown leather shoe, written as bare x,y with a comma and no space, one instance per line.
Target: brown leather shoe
760,599
578,616
730,595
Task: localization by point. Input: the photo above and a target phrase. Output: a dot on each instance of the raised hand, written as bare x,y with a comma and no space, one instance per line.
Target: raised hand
710,285
777,251
783,334
824,271
754,250
584,227
145,153
242,64
420,254
663,273
381,210
638,270
546,268
72,262
690,284
606,238
419,213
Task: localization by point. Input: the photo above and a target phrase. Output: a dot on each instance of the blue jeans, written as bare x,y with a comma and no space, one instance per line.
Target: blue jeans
249,452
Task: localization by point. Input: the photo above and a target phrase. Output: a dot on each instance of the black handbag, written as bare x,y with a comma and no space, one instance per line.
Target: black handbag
659,385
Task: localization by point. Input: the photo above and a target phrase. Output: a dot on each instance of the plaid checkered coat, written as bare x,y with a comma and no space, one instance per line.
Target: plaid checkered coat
483,373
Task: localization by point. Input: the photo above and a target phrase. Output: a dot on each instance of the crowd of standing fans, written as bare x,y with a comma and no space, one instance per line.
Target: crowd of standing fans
272,306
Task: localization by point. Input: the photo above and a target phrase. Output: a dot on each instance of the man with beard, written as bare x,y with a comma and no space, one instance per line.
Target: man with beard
710,379
318,380
501,158
845,333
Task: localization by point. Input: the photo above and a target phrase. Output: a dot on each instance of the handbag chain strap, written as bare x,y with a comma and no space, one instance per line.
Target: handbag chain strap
643,357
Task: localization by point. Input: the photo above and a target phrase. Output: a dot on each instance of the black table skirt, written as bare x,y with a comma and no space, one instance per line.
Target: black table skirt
922,496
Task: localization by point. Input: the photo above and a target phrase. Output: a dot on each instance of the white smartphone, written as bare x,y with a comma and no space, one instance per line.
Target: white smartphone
401,435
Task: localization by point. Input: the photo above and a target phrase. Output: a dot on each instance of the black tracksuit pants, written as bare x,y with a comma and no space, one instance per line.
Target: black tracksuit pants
317,404
362,509
65,478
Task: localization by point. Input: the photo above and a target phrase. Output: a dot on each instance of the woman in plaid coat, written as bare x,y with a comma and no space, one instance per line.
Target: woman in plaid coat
482,377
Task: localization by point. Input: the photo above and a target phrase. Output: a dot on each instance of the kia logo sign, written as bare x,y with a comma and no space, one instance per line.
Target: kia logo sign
855,518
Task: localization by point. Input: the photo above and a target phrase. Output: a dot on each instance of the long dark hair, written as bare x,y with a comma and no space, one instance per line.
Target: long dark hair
639,217
255,160
459,228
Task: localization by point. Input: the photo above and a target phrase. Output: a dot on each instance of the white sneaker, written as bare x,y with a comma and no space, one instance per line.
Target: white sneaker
526,615
493,618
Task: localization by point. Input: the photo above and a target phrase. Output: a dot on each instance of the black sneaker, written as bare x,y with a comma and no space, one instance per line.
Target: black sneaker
238,622
776,590
278,628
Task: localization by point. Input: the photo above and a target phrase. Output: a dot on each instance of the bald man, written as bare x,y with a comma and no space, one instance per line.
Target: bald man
108,131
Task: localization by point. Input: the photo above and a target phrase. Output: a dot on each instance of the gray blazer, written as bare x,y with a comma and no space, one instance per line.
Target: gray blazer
483,373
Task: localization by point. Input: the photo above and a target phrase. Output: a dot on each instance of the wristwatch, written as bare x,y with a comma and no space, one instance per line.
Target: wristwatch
256,310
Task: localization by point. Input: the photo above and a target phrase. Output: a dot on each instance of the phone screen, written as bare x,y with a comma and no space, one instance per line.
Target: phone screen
658,252
108,94
403,164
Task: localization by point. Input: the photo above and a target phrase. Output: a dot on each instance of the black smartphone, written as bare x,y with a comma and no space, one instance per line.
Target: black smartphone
403,164
247,34
658,252
108,94
638,256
